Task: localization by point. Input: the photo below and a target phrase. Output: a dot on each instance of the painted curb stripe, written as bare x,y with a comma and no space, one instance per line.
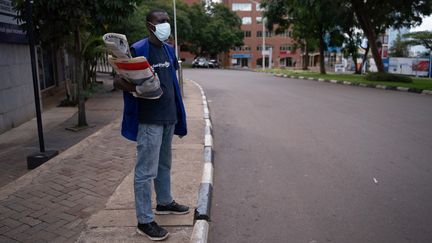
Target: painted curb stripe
207,173
208,155
207,130
208,140
208,123
206,110
200,232
204,202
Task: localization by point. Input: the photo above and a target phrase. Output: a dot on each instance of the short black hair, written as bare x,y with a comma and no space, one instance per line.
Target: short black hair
149,16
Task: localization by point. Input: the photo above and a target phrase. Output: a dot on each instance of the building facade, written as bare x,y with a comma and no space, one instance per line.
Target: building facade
16,83
279,48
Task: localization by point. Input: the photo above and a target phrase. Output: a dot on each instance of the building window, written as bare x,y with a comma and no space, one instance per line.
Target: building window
259,47
247,33
242,6
285,47
259,20
267,33
258,7
286,33
242,48
246,48
247,20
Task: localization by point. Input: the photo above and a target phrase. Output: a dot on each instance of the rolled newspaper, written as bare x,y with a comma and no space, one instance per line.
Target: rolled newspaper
136,70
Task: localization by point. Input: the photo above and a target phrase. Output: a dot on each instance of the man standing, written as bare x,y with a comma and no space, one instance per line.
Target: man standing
152,123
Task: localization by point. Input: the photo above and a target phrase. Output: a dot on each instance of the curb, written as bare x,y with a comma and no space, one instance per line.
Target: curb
376,86
202,212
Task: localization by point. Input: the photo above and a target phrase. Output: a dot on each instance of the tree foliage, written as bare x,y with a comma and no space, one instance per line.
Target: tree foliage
315,18
309,19
202,30
423,38
399,48
375,16
64,22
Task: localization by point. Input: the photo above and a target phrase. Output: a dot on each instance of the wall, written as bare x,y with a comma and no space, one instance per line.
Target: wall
16,86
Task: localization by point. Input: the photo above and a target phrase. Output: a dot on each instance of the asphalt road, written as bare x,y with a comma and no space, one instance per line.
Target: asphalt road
303,161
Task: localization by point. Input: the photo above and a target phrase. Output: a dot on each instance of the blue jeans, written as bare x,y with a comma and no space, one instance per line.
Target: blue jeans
153,164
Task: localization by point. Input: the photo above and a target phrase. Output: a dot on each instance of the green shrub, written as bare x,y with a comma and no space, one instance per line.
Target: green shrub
389,77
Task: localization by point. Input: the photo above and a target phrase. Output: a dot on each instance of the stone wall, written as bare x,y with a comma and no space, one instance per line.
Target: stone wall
16,86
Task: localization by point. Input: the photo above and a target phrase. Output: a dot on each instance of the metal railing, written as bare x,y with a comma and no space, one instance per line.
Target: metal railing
103,66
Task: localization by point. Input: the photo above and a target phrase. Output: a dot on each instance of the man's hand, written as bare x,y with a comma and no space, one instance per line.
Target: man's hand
121,83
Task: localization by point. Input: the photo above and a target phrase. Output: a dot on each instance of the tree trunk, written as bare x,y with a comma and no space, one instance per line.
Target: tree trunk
365,23
306,59
321,50
82,121
364,58
356,69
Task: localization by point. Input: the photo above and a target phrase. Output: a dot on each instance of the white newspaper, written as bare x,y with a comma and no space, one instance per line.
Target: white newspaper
136,70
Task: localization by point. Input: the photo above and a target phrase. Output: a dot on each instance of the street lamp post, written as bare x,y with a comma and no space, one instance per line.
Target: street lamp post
263,43
36,159
175,27
180,72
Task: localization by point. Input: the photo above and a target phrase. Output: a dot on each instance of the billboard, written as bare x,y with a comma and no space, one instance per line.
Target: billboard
409,66
10,31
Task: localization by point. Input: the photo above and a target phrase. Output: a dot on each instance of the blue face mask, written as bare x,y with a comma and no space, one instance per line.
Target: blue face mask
163,31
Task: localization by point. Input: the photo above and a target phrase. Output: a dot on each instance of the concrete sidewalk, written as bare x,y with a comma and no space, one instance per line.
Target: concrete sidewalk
87,190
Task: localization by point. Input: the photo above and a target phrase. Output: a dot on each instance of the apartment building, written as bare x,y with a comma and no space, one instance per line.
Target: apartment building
250,55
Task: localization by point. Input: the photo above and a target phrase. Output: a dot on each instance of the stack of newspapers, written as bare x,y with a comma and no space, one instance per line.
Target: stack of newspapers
137,70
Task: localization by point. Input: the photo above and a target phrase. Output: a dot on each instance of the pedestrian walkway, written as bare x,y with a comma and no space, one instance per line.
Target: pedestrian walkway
88,188
16,144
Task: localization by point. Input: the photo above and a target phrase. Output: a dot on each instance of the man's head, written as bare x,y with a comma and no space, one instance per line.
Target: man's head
158,24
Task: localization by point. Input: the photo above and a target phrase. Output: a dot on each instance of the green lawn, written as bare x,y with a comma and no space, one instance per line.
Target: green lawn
418,83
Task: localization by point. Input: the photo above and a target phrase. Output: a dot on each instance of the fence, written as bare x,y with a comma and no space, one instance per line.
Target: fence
103,66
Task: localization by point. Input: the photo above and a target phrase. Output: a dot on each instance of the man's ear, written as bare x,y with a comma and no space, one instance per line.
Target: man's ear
150,26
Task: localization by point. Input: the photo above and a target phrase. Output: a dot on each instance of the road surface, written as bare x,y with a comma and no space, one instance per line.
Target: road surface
303,161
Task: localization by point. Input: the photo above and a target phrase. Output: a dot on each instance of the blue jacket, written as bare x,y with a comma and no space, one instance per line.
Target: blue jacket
130,113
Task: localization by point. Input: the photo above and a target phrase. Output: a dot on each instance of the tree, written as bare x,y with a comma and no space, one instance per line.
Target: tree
399,48
310,19
57,21
215,29
423,38
375,17
202,30
222,32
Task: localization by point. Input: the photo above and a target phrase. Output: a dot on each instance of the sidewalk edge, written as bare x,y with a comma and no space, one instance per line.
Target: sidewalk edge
202,212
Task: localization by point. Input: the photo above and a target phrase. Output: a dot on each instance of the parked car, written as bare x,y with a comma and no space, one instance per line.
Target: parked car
200,62
213,63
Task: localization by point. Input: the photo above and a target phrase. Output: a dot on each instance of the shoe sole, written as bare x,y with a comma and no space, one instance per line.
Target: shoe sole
171,212
152,238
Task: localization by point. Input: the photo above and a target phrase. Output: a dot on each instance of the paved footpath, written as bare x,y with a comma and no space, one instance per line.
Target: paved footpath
86,192
101,109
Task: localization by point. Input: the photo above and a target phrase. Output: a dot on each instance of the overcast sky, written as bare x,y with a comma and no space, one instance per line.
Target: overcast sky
426,25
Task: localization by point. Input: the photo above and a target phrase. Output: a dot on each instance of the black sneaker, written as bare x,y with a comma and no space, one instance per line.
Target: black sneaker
172,208
153,231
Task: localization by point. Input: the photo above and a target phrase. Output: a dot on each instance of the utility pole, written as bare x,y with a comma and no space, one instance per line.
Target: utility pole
43,155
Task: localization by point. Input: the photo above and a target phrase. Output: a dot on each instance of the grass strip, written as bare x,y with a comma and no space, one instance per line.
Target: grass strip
418,83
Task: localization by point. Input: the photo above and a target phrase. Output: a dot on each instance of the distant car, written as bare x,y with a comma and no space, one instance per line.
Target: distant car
213,63
200,62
